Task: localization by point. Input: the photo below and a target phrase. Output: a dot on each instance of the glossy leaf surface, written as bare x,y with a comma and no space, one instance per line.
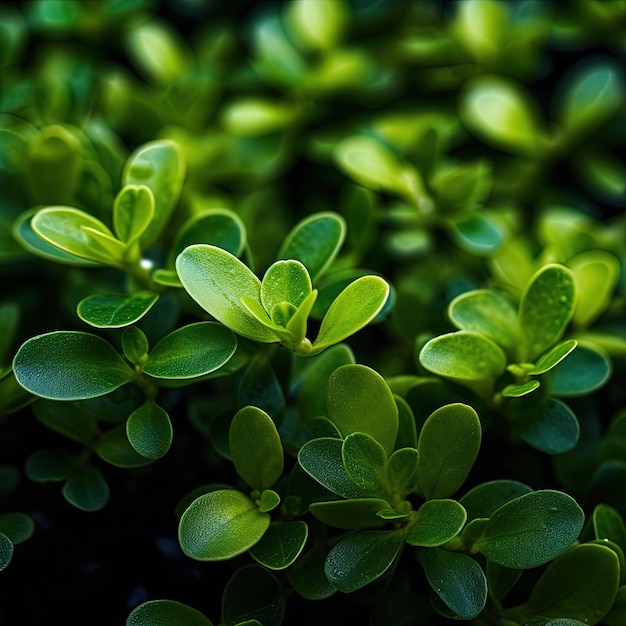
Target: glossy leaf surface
166,613
552,427
133,211
437,521
86,489
484,499
115,310
354,513
584,371
281,544
149,430
364,459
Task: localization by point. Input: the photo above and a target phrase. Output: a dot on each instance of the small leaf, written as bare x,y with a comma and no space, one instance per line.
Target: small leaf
86,489
579,584
488,313
49,465
437,522
464,355
546,308
166,613
135,345
552,427
114,448
354,513
65,228
355,307
191,351
256,116
221,525
484,499
160,166
318,25
359,400
285,281
107,245
149,430
457,579
448,445
115,310
584,371
18,527
69,365
401,471
133,210
322,460
217,281
268,501
281,544
364,459
608,524
362,558
531,529
315,242
307,576
6,551
477,234
517,391
553,357
255,447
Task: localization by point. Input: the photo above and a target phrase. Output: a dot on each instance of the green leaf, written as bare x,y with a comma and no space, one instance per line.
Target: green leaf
255,447
191,351
160,166
268,501
284,281
221,525
608,524
297,324
499,111
437,522
552,427
114,448
254,116
488,313
484,499
364,459
318,25
315,241
18,527
532,529
553,357
359,400
583,372
106,244
281,544
448,445
70,419
6,551
457,579
517,391
546,308
500,580
135,345
86,489
362,558
217,227
133,210
253,596
596,273
350,514
476,234
149,430
580,584
322,459
115,310
463,355
166,613
401,471
355,307
307,576
217,281
49,465
67,229
69,365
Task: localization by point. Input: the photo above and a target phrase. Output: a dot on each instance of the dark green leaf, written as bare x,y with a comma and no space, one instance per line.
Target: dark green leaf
70,419
437,522
6,551
135,345
86,489
477,234
115,310
551,427
608,524
581,373
69,365
281,544
191,351
307,576
401,471
49,465
532,529
362,558
18,527
364,459
484,499
149,430
448,445
114,448
166,613
355,513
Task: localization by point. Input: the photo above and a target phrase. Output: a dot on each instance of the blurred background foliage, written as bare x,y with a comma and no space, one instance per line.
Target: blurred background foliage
465,143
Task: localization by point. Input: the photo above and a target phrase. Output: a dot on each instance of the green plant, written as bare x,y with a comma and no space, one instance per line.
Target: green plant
312,312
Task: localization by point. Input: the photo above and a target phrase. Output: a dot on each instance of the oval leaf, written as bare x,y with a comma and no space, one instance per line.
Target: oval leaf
133,211
6,551
532,529
191,351
284,281
220,525
149,430
86,489
70,365
115,310
217,281
553,357
437,522
484,499
255,447
365,459
581,373
552,427
281,544
166,613
355,307
354,513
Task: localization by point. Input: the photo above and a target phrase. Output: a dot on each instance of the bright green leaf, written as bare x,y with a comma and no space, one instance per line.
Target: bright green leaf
517,391
317,24
285,281
448,445
149,430
268,501
133,211
477,234
221,525
255,116
69,365
115,310
437,522
255,447
362,558
359,400
553,357
532,529
191,351
217,281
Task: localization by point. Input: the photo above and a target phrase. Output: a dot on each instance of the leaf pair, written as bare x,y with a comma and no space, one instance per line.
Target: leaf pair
277,308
